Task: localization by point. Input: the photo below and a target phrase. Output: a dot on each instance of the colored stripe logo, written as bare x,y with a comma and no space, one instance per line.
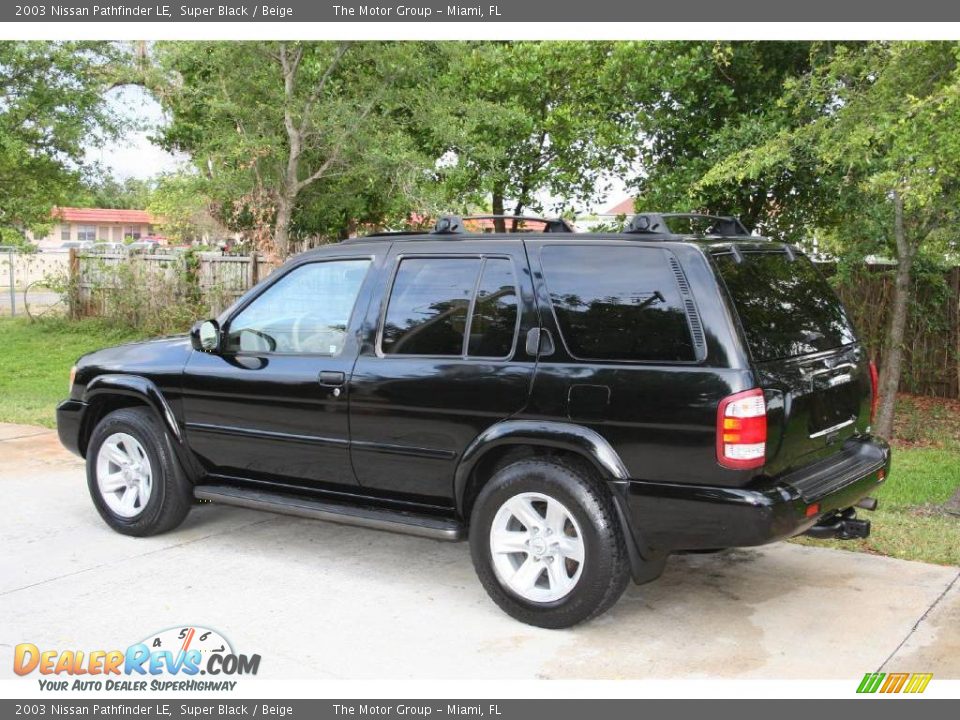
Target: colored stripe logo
894,682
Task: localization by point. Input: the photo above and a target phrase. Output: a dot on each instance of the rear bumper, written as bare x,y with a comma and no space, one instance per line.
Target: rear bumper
671,517
69,421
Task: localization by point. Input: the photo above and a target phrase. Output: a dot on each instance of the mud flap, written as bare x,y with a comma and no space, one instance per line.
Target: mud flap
646,565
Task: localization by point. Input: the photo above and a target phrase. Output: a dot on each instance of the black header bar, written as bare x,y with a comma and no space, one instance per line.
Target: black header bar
485,11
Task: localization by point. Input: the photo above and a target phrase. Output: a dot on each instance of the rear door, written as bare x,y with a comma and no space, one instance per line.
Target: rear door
804,350
444,359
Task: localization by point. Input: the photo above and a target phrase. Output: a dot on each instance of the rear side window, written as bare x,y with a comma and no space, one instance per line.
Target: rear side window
786,307
494,321
452,306
617,303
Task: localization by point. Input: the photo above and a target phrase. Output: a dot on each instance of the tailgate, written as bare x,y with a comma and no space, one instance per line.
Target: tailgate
815,376
814,404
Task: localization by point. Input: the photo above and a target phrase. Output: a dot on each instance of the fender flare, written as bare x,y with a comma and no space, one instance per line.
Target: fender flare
147,391
545,433
645,563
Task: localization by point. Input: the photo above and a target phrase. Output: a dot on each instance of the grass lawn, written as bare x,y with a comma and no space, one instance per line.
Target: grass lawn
36,358
910,522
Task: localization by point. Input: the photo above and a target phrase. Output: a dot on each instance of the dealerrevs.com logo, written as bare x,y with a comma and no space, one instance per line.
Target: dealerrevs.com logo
172,659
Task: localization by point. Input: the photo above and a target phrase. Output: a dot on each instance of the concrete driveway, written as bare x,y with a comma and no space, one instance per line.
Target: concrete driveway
319,600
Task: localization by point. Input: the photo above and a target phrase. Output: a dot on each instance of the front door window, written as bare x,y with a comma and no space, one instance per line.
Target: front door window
307,311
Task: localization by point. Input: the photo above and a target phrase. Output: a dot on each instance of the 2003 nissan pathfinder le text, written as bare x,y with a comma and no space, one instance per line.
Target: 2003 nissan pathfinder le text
578,405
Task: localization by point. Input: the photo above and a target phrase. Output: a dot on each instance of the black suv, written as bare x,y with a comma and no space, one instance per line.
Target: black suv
578,405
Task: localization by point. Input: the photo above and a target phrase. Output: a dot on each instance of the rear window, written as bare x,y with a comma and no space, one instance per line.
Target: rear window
617,303
786,307
452,307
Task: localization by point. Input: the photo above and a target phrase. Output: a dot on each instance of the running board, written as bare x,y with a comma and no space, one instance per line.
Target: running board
399,521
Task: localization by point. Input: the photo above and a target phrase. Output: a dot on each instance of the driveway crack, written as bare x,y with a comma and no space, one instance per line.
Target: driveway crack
919,622
28,435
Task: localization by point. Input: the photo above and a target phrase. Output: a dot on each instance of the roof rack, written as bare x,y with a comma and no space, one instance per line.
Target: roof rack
454,224
657,223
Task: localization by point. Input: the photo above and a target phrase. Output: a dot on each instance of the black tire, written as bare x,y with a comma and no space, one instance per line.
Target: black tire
606,569
171,495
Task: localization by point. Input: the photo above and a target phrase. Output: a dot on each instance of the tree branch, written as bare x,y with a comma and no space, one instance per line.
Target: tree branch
306,120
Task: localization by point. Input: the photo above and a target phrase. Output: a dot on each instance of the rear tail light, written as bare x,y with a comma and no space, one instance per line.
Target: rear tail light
742,430
874,395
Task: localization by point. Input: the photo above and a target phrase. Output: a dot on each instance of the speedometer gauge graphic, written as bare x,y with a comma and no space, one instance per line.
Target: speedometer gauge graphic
194,637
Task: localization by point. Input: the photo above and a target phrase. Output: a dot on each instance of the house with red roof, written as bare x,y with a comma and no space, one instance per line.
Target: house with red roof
624,207
97,225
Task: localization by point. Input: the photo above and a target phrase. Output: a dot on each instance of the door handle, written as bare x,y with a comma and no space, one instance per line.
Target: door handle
332,378
539,343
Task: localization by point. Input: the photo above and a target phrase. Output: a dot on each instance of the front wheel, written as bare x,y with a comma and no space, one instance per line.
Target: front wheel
134,479
546,543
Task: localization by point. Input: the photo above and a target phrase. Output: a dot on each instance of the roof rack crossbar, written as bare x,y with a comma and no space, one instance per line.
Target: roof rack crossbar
454,224
656,223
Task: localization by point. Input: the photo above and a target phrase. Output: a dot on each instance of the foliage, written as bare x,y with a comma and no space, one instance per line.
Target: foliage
13,237
51,109
886,114
930,340
185,211
519,119
105,191
699,102
296,137
150,295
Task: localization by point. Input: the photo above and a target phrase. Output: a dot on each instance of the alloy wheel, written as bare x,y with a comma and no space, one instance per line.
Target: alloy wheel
537,547
124,475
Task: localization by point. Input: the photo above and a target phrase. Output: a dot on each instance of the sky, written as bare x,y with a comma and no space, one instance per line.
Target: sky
135,156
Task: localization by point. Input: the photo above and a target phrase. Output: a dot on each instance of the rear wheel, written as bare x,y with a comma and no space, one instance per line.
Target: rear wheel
546,543
134,479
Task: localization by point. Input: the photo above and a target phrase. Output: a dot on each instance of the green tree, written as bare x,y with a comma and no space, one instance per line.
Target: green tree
882,120
697,103
51,109
281,131
513,120
107,191
183,209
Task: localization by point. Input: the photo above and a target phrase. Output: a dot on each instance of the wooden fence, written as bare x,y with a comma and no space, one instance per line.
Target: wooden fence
215,279
931,363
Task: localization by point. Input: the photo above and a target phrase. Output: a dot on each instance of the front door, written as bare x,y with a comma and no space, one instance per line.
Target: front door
272,405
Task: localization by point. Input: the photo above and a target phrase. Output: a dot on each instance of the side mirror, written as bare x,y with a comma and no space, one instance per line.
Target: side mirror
205,336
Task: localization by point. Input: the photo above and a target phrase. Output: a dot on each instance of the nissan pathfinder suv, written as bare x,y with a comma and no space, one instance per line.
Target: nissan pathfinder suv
577,406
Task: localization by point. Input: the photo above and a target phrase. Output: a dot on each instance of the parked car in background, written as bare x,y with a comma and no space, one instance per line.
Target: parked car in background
76,245
143,246
578,406
107,248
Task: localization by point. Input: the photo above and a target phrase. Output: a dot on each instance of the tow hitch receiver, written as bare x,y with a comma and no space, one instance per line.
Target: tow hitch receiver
840,526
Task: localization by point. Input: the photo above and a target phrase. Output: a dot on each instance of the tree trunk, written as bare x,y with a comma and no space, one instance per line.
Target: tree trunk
281,229
498,223
896,329
517,211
